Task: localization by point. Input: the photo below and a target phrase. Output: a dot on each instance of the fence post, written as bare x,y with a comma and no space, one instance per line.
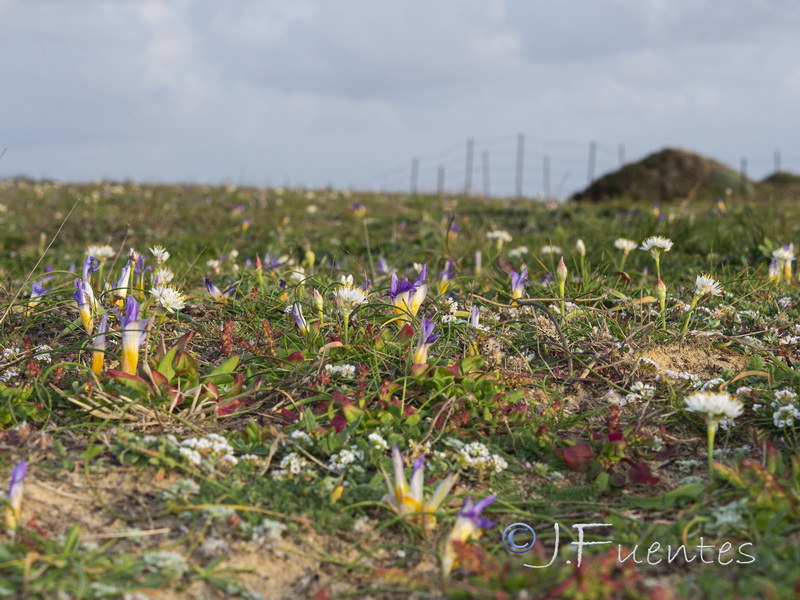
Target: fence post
743,171
414,175
440,181
520,162
468,167
592,155
485,170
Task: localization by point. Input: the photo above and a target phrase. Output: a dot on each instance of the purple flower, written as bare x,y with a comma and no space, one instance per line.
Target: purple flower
15,488
546,278
383,266
518,281
448,273
140,268
473,512
399,287
37,288
90,265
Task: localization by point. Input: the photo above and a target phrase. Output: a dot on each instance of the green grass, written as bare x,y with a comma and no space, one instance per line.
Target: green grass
547,404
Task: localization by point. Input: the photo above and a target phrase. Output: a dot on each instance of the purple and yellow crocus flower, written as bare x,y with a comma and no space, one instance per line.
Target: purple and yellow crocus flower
99,354
518,282
218,294
84,296
133,331
447,275
427,336
468,526
401,293
15,489
407,498
297,315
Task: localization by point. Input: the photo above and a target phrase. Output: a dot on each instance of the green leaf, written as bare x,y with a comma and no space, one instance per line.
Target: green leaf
690,491
473,363
222,374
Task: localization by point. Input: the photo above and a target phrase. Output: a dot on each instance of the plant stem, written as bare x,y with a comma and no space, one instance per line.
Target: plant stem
712,431
689,316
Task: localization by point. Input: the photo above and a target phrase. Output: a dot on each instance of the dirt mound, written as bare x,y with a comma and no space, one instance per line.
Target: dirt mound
669,174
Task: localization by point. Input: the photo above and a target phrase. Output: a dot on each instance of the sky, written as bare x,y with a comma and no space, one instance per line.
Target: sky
346,93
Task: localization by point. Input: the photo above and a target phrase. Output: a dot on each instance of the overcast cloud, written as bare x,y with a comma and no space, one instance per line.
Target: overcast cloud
346,92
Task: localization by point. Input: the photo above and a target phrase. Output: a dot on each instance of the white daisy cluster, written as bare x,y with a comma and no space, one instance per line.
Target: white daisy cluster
501,235
211,450
639,391
451,305
377,441
691,378
476,455
786,412
301,437
168,297
342,459
711,384
785,302
518,252
343,371
292,465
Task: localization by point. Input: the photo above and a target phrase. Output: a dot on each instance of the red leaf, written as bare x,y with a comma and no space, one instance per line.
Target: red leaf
289,416
505,265
578,456
339,423
406,333
641,473
226,410
296,357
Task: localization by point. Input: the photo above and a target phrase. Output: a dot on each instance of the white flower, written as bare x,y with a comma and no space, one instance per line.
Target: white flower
164,275
168,297
517,252
101,253
348,298
340,461
293,463
580,247
656,244
551,250
784,255
707,285
625,245
344,371
160,253
714,406
499,235
377,441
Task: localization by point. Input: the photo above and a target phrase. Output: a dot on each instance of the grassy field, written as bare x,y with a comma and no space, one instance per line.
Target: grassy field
351,395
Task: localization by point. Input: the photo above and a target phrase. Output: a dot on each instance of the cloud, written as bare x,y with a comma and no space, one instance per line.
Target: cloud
335,92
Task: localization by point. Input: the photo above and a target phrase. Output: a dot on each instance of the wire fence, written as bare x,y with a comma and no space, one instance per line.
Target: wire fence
524,166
